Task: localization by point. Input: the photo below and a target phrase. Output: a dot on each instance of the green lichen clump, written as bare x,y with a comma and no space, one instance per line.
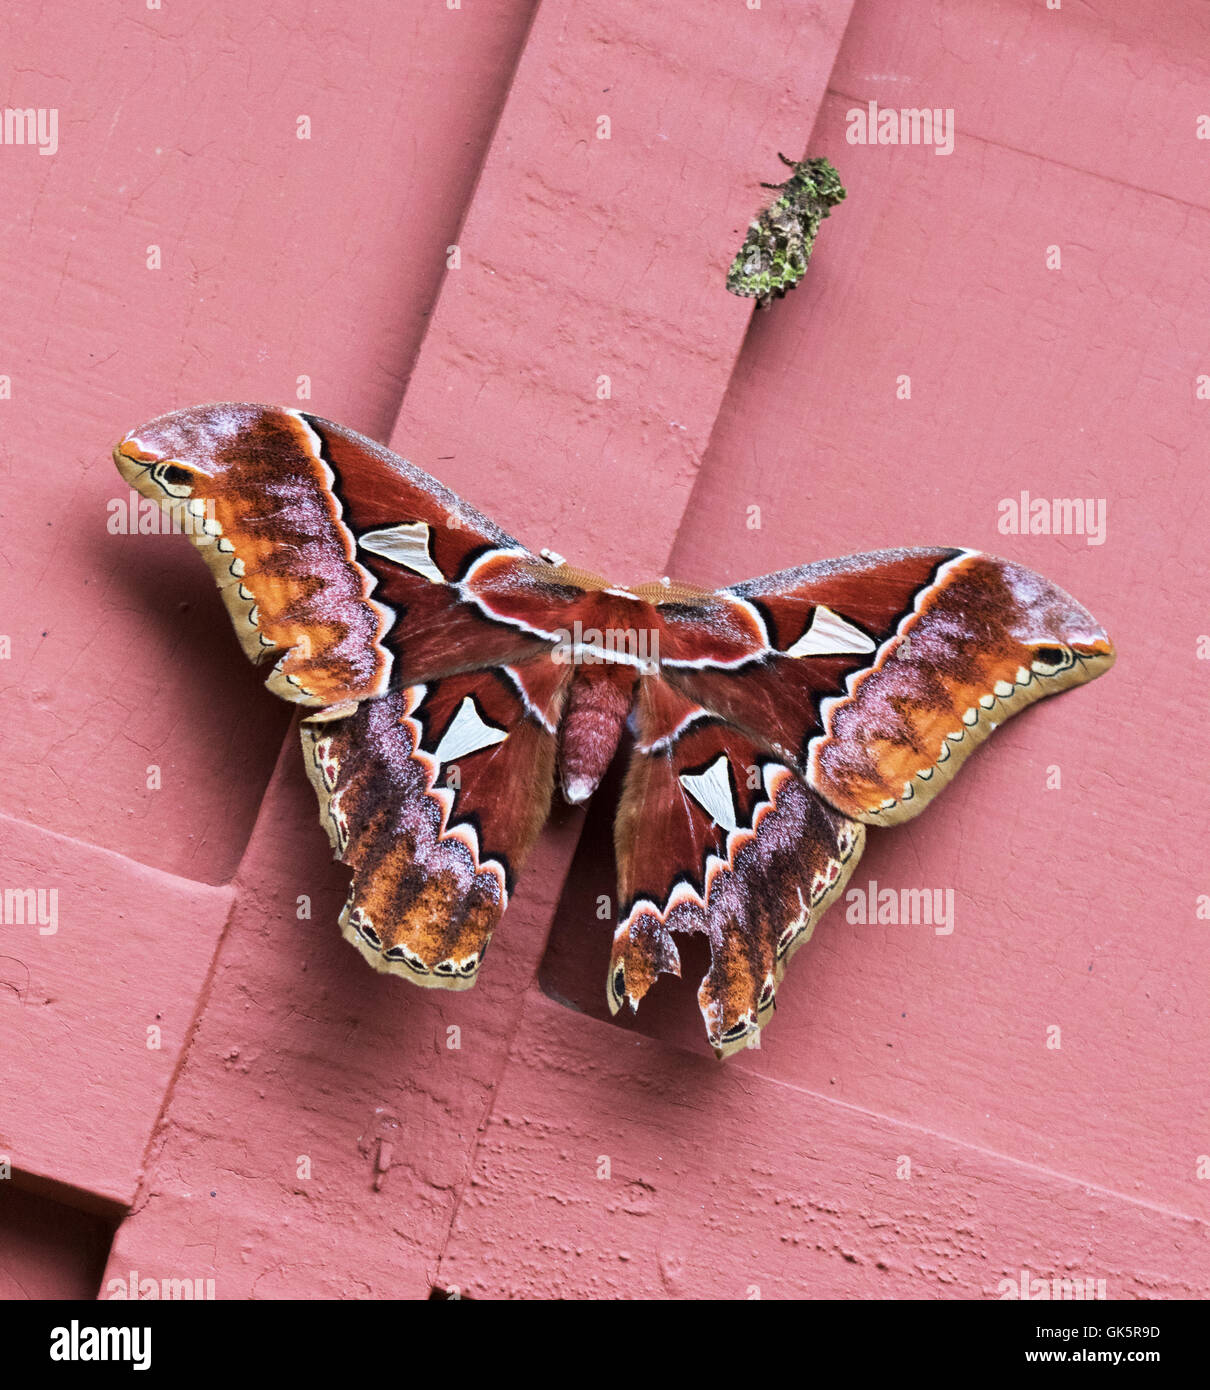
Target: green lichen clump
774,256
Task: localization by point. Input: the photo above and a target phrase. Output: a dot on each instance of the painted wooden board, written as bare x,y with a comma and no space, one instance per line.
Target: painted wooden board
1114,89
585,1186
47,1249
102,962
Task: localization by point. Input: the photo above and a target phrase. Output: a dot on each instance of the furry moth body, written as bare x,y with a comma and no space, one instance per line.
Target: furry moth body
777,249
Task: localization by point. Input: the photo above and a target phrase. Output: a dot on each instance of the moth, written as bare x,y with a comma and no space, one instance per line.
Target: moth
774,256
451,678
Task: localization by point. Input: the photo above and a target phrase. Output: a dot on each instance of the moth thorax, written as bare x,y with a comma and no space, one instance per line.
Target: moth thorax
592,727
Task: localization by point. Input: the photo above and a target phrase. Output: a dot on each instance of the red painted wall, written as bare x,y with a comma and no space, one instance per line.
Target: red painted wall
302,1128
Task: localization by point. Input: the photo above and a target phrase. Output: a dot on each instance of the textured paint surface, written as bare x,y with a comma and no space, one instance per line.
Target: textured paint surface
99,986
49,1250
310,1129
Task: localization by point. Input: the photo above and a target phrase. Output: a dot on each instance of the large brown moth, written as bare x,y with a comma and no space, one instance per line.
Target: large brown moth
452,677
